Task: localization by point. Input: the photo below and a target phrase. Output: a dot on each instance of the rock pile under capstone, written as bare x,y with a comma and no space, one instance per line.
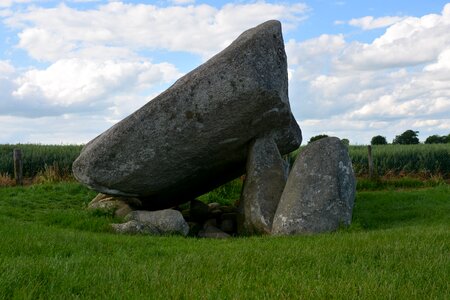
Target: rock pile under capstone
228,117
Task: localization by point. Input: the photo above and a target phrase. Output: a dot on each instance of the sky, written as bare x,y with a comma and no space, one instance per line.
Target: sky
69,70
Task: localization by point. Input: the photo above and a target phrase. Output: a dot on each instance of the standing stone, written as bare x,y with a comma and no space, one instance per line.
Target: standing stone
161,222
194,136
320,191
264,183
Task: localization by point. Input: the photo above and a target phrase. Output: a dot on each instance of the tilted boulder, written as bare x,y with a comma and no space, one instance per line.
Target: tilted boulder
194,136
320,191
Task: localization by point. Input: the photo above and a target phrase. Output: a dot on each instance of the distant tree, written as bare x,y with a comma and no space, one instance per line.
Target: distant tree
436,139
406,138
346,142
447,139
378,140
317,137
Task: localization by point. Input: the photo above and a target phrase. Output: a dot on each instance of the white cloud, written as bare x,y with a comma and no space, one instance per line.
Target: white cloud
65,129
412,41
399,81
323,45
55,33
5,12
42,45
84,1
8,3
81,86
93,56
408,41
72,81
442,66
182,2
95,74
369,22
6,69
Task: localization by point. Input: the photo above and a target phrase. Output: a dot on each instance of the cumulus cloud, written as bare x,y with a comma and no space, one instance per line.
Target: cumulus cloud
369,22
411,41
87,80
182,2
84,1
49,34
94,62
6,69
81,86
399,81
64,129
8,3
442,66
5,12
93,72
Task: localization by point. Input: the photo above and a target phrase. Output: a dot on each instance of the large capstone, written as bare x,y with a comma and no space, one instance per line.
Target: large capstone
194,136
320,191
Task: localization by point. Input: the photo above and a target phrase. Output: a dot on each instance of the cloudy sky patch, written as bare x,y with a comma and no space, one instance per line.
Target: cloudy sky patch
69,70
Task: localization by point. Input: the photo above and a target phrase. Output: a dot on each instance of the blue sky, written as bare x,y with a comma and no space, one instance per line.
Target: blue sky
71,69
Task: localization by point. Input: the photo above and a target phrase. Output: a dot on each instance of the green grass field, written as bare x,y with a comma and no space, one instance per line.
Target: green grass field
51,247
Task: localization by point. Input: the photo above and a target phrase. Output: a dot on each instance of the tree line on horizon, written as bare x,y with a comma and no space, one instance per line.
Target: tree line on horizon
409,137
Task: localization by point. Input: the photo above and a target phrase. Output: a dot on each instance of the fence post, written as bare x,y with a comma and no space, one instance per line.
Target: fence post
18,166
369,150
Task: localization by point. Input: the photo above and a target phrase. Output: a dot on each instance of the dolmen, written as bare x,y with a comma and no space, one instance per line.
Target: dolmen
229,117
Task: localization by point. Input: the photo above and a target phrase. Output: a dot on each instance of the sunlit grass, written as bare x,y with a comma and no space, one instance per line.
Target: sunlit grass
53,248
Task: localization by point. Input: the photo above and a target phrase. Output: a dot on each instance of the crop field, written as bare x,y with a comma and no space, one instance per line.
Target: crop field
426,160
38,158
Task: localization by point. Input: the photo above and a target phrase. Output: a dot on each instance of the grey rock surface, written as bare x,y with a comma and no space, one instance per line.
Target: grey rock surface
213,232
194,136
228,226
264,183
121,206
320,191
199,211
161,222
134,227
228,222
213,206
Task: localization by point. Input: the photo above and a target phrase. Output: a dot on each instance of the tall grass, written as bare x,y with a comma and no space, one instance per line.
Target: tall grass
425,159
39,158
227,194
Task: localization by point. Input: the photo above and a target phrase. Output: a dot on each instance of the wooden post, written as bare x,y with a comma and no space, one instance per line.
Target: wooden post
18,166
369,150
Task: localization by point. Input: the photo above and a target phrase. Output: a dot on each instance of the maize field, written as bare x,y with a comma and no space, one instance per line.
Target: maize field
396,160
37,158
